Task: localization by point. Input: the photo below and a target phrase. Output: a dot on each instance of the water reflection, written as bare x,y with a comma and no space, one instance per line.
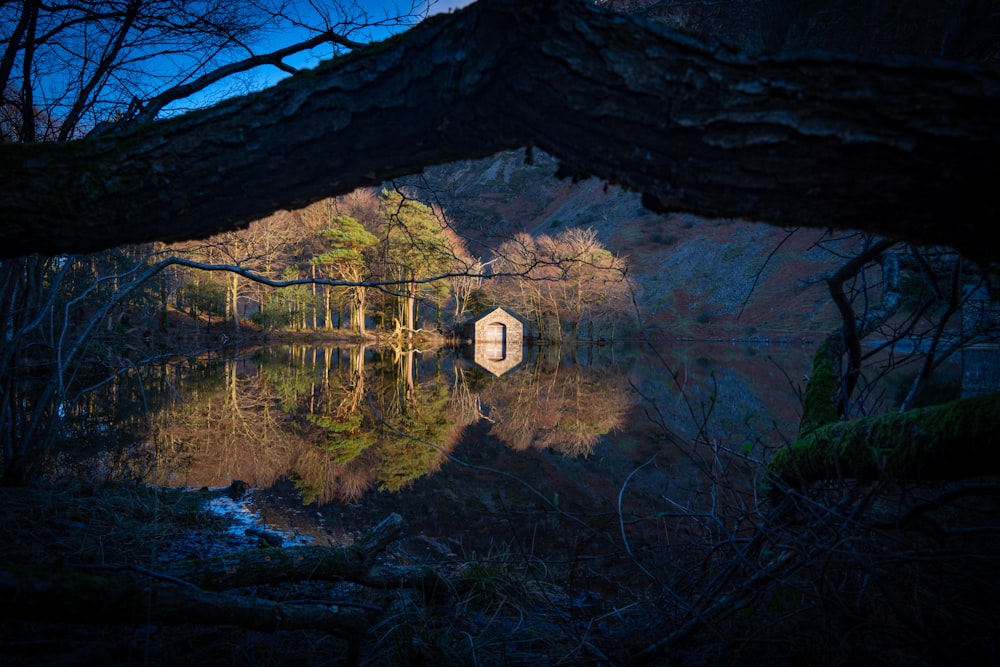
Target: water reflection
555,402
343,421
360,432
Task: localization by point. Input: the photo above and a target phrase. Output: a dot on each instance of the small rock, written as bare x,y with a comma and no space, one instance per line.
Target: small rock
268,537
236,489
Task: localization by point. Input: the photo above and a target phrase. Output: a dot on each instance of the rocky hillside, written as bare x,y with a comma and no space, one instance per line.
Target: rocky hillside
694,278
700,278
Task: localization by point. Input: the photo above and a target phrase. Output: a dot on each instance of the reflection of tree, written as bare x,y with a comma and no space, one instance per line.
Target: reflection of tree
550,404
232,430
465,405
251,426
341,422
305,413
368,421
348,431
410,411
322,390
105,433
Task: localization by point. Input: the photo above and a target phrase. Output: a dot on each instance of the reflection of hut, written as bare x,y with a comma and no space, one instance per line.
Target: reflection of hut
497,338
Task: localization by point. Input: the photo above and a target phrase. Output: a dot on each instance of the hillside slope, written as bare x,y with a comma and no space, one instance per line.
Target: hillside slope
694,278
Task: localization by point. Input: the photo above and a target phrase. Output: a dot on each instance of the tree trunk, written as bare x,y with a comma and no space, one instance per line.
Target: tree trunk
328,308
410,309
901,148
272,566
943,442
187,591
359,309
233,302
68,594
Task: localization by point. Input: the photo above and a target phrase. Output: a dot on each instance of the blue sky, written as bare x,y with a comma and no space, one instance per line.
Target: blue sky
377,9
262,77
448,5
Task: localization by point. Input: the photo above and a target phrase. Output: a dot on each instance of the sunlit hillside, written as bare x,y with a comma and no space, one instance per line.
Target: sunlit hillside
693,278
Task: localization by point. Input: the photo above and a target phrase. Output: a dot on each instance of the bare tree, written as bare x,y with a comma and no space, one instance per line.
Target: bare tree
827,565
561,282
82,68
77,65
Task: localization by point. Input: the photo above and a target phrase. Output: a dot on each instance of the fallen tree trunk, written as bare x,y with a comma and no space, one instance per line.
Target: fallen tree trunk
190,591
68,594
944,442
276,566
355,563
900,148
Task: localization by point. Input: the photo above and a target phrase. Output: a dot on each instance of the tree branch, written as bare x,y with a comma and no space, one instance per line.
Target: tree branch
901,148
275,58
191,591
853,331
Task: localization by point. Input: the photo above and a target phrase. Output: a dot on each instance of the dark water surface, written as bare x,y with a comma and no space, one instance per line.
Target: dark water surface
573,453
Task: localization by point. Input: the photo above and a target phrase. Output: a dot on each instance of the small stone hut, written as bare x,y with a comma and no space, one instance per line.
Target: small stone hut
497,337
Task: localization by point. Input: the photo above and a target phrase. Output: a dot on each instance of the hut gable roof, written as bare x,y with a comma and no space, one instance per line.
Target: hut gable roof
496,313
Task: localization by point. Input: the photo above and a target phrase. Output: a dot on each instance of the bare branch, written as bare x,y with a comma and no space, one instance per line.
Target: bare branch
275,58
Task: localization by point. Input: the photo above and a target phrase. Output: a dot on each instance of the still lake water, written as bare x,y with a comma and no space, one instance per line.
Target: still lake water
573,449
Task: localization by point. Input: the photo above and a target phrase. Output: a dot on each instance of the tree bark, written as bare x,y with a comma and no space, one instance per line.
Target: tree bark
903,148
355,563
191,591
944,442
67,594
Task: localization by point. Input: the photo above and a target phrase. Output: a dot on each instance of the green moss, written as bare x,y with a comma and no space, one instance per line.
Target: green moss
821,395
950,441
